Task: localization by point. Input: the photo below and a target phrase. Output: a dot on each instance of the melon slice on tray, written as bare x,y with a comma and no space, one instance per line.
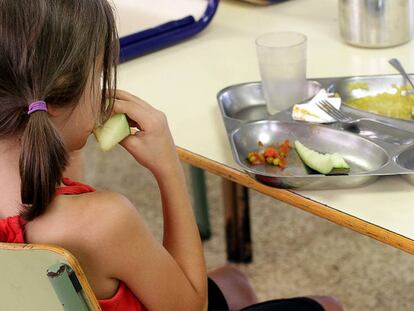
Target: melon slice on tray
328,163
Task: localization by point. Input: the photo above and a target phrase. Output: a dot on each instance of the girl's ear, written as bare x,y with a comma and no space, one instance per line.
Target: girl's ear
54,111
59,115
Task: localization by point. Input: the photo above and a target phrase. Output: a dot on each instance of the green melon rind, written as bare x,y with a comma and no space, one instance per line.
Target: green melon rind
338,161
322,163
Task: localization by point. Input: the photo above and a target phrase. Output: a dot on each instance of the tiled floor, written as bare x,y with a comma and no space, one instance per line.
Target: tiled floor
295,253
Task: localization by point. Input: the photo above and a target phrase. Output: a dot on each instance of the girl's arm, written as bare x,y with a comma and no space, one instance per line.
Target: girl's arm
112,242
175,271
181,236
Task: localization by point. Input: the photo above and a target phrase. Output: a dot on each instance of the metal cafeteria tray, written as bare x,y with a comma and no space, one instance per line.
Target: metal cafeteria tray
375,151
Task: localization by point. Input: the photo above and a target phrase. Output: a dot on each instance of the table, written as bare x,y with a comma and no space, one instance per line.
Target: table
183,82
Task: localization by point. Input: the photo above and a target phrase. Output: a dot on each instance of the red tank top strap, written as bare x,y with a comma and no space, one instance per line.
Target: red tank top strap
73,187
12,229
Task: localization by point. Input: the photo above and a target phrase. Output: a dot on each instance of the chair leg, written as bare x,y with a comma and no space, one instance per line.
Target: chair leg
200,202
237,217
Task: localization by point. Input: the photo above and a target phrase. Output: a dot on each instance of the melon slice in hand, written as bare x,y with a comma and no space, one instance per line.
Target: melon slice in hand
112,132
322,163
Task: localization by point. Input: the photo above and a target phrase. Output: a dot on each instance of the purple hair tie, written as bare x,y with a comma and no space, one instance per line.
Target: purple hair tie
37,106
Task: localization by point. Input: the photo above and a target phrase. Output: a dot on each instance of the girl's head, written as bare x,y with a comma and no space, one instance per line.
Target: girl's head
64,53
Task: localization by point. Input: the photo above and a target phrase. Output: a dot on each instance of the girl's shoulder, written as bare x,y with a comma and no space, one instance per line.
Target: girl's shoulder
91,226
83,216
78,221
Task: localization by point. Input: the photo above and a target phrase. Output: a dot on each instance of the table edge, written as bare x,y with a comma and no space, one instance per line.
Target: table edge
321,210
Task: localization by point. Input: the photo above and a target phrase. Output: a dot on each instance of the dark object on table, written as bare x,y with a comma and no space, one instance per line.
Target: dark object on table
165,35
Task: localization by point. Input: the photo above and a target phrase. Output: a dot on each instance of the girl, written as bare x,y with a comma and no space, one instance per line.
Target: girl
57,66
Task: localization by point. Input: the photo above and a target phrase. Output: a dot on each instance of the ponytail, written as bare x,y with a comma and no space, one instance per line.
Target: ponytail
50,57
43,158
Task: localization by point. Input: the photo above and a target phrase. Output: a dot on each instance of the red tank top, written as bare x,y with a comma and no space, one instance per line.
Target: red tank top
12,231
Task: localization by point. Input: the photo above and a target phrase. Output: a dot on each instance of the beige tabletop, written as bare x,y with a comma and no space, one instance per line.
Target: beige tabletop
183,81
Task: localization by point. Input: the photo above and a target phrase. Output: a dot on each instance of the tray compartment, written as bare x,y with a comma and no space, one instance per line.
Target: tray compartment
362,86
406,158
363,156
390,134
245,102
376,85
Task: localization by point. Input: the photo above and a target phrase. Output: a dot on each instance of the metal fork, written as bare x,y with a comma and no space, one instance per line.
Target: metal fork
337,114
377,129
347,121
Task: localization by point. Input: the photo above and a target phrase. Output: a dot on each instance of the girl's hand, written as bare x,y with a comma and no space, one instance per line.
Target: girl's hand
152,146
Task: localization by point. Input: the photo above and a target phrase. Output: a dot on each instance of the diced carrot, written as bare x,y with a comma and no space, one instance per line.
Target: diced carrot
270,152
271,155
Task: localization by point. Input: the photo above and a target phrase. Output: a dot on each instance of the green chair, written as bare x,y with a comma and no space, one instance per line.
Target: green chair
42,277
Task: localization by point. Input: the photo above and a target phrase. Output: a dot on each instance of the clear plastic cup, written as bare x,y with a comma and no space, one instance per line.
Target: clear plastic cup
282,62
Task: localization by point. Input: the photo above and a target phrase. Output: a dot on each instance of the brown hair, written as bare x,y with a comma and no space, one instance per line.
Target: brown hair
47,50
